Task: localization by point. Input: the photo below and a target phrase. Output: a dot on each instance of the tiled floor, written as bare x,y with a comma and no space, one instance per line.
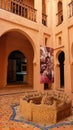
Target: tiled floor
6,100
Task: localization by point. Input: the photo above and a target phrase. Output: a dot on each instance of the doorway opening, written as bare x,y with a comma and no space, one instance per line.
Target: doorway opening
17,68
61,59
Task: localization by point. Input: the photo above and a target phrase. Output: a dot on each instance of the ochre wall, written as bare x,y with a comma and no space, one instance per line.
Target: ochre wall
36,33
65,31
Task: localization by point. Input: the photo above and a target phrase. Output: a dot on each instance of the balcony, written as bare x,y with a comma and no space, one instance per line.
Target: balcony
19,8
70,9
44,19
59,17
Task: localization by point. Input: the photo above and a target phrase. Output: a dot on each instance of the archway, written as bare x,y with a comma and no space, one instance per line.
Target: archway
61,59
16,45
17,67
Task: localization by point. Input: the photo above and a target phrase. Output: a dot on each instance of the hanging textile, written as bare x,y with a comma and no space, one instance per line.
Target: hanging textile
46,64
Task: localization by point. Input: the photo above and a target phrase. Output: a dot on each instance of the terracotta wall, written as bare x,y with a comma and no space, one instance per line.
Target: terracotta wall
29,2
2,61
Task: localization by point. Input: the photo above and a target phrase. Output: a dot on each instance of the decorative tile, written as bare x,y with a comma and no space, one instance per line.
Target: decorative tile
11,117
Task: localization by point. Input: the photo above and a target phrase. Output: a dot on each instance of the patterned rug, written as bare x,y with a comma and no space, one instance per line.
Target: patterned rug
17,117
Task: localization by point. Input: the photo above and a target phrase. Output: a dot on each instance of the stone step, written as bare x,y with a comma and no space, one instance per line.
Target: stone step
14,89
7,128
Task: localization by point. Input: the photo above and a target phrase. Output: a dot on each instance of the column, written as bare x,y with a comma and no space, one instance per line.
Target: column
38,7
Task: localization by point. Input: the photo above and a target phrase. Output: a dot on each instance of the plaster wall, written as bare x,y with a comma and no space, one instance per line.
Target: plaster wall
64,31
60,37
35,33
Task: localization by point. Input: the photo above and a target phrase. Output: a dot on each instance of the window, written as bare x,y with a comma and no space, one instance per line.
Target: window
60,13
46,39
59,40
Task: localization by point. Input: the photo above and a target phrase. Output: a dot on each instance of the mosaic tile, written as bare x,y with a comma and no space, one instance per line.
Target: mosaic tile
12,120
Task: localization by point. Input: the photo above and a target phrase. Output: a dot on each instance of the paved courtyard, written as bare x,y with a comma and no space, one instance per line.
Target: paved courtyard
11,119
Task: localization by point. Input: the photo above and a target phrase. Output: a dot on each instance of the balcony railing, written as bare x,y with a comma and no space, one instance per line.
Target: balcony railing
44,19
59,17
19,8
70,9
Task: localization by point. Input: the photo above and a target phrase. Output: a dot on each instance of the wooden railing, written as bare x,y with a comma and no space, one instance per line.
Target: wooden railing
44,19
59,17
70,9
19,8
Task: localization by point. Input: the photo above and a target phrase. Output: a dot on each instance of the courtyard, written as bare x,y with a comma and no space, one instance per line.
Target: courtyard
11,118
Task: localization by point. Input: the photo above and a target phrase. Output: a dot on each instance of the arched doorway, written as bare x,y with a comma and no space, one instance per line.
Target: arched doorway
61,59
14,44
17,68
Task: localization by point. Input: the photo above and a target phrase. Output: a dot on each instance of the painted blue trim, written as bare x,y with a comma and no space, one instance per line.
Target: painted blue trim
14,113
